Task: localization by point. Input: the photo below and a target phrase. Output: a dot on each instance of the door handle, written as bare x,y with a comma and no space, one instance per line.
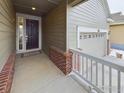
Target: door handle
26,37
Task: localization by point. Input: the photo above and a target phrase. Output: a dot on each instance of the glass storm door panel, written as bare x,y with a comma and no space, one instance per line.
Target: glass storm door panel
32,34
20,33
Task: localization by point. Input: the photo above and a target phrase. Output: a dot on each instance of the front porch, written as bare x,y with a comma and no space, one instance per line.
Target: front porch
37,74
55,27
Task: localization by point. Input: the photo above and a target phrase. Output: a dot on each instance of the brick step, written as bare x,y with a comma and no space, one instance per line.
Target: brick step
3,81
1,76
2,85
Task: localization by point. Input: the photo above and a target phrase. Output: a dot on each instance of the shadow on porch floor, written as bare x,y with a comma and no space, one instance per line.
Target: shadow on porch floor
37,74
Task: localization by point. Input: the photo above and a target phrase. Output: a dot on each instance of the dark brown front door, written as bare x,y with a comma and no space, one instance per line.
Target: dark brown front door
32,34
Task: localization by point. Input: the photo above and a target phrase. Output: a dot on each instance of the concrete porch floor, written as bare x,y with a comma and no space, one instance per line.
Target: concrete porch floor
37,74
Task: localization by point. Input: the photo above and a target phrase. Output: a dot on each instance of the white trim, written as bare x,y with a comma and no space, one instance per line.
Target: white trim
78,38
40,32
67,28
28,51
86,29
26,16
117,23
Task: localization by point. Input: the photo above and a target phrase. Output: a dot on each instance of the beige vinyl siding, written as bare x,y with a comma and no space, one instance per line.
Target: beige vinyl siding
54,28
88,14
117,34
7,30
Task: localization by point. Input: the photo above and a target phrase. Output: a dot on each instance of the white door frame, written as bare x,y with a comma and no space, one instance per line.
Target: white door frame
25,16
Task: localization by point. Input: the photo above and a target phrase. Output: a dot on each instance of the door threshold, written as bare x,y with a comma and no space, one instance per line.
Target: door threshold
26,54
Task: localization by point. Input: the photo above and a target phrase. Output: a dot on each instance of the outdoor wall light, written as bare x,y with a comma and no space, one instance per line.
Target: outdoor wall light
33,8
20,26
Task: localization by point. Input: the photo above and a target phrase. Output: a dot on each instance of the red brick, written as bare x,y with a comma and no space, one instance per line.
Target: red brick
6,75
61,59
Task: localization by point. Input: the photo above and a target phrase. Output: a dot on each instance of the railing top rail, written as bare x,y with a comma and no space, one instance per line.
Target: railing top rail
110,63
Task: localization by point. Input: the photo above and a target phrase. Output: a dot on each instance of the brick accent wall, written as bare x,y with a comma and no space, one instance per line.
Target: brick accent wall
69,61
61,59
6,75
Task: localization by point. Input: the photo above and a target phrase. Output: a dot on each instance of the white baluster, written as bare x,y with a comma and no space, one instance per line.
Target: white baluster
110,80
96,74
119,82
102,76
91,70
82,65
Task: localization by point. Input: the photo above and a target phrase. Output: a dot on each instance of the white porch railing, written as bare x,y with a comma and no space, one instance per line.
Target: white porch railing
102,75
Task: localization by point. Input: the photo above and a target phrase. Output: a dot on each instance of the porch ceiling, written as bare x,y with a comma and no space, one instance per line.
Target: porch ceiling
42,6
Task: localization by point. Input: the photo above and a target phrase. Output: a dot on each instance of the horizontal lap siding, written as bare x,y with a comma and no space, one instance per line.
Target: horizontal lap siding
89,14
117,34
54,28
7,30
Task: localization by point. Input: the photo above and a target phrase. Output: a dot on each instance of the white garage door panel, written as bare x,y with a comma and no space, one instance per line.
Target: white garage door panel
92,42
